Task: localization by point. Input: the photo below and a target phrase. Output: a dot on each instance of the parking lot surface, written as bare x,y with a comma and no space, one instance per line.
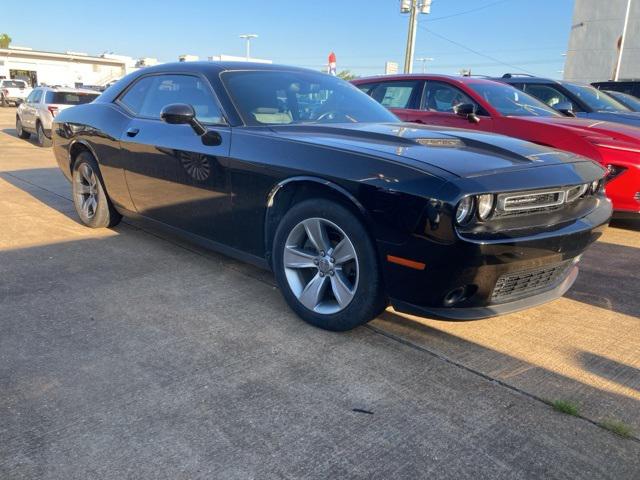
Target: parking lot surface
129,353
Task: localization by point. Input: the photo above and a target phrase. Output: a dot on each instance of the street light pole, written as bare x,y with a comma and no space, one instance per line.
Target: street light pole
412,7
411,38
424,60
248,37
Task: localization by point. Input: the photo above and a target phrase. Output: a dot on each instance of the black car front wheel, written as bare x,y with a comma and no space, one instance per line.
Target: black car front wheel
326,266
89,198
20,130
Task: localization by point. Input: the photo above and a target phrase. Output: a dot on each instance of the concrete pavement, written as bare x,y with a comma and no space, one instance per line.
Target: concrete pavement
129,353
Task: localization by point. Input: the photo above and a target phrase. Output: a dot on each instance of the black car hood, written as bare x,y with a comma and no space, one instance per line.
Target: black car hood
463,153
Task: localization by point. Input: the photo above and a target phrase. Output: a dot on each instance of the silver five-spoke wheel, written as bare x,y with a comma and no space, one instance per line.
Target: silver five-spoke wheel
321,265
87,190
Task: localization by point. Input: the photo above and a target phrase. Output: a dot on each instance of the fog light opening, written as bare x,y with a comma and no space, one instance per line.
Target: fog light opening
456,295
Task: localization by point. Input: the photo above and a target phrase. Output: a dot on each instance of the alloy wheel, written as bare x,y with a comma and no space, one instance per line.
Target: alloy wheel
321,266
86,190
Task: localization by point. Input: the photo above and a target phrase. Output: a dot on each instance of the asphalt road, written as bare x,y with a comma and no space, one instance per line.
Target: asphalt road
129,353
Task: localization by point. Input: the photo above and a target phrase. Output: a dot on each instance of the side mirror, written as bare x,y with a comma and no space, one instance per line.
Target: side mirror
467,110
565,108
181,113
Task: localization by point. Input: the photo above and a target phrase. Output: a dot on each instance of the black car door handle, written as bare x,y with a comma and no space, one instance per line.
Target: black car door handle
132,132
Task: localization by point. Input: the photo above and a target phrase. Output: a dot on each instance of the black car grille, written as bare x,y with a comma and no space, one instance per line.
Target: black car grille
528,282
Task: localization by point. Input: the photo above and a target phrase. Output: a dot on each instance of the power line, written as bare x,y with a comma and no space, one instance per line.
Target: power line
467,11
475,51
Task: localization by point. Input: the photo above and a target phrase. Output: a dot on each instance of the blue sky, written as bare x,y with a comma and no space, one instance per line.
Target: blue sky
530,35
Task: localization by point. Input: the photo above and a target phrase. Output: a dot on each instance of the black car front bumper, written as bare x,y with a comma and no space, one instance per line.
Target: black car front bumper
536,269
476,313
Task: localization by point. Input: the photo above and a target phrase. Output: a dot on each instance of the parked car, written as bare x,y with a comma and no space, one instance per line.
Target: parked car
13,91
350,207
35,115
574,99
489,106
628,100
632,87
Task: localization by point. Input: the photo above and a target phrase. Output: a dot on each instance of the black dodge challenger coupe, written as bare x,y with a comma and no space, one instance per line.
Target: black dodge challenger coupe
352,209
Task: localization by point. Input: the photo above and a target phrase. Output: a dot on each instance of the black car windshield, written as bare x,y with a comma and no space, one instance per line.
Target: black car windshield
292,97
510,101
596,99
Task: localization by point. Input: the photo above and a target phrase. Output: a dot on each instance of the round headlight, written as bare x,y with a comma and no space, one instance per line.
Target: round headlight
465,210
485,205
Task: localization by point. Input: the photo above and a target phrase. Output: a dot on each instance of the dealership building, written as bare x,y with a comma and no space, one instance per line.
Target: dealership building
68,69
596,45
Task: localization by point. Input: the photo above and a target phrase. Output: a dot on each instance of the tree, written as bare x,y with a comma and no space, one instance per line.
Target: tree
5,40
347,75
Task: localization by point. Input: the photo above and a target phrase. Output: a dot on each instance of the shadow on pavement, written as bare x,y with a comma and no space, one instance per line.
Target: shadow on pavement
595,403
609,278
610,369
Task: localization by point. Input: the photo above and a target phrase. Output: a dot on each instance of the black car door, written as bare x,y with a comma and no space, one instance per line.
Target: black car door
173,177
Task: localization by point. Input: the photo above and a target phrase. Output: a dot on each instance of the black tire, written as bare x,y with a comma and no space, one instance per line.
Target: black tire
99,212
368,299
3,102
21,131
41,138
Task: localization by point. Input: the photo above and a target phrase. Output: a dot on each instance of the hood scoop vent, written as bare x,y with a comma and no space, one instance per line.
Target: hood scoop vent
440,142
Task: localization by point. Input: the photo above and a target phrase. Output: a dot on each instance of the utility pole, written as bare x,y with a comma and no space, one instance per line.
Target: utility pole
624,37
412,7
248,37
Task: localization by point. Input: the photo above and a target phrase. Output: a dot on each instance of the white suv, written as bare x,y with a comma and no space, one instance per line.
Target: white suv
13,91
34,116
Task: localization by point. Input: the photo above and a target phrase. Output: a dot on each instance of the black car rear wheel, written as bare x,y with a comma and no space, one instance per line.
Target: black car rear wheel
21,131
326,266
89,198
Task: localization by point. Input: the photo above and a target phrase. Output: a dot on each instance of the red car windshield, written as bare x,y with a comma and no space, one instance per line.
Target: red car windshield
510,101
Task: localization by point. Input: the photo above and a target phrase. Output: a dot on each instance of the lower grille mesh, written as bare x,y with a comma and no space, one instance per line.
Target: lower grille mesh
528,281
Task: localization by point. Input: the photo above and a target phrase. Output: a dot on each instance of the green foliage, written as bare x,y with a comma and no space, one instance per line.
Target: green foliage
617,427
346,75
5,40
565,407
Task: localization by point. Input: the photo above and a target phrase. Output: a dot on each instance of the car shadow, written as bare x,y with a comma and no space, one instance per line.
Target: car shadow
611,370
609,278
626,223
47,185
12,132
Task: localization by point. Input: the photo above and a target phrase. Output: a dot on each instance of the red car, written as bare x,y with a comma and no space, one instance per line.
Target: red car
479,104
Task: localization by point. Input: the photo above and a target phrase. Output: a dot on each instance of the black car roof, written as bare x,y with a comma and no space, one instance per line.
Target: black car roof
208,68
217,67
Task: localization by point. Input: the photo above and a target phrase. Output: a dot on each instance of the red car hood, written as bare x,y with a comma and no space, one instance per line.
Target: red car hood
592,128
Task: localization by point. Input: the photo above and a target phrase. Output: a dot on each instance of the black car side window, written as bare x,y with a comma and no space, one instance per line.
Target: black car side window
134,97
150,95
